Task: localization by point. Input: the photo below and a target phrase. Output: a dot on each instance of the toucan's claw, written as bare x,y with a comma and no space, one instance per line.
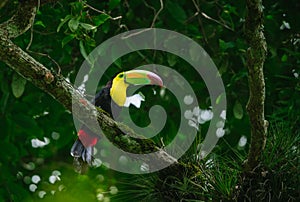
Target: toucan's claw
87,155
80,166
79,151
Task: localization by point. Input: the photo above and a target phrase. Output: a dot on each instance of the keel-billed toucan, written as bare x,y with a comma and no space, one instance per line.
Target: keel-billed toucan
113,95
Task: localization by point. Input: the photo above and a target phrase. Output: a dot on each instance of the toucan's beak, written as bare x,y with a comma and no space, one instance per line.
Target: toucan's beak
142,77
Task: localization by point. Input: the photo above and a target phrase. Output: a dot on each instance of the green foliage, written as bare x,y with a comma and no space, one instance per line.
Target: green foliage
18,85
66,32
277,177
216,179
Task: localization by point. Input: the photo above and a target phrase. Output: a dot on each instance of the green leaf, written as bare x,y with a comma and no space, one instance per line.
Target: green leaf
67,39
100,19
118,62
77,7
68,17
73,24
225,45
40,23
113,4
269,17
88,26
238,110
3,102
172,59
90,41
284,58
18,85
176,11
105,27
82,50
220,98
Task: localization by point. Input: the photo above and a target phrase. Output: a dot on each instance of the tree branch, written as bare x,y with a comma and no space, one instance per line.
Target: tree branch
256,55
23,19
3,3
64,92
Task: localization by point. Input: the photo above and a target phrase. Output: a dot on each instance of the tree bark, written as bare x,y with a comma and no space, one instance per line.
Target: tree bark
57,86
256,55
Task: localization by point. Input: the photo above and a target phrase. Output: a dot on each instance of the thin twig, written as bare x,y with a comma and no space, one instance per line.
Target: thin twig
158,12
31,29
216,21
197,7
123,26
149,6
208,17
49,57
152,24
31,38
37,53
102,12
44,33
200,21
136,33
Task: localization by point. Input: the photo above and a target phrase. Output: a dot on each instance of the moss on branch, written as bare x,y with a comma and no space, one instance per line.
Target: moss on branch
256,55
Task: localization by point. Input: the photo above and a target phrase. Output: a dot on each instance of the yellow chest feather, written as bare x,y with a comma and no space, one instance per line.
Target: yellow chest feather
118,91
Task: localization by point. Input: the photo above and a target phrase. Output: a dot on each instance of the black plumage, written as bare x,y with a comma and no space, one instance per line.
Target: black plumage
104,101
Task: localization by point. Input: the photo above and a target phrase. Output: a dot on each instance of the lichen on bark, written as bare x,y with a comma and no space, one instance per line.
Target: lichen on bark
256,55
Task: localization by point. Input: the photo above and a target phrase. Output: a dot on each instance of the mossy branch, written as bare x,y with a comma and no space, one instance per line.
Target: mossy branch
256,55
23,19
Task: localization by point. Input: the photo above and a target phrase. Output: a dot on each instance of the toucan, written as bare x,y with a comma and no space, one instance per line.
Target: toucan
113,95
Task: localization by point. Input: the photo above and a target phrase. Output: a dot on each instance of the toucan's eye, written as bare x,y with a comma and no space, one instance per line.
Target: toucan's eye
121,75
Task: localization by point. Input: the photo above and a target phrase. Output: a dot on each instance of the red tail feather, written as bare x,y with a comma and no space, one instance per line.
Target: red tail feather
86,139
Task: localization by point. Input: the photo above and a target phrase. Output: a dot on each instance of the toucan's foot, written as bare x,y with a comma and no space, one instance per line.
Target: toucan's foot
80,166
78,150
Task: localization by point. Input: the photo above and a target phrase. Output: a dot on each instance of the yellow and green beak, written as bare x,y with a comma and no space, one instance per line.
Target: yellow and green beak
142,77
132,77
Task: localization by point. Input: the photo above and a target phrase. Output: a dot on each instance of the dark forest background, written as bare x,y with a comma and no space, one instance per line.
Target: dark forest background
65,32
